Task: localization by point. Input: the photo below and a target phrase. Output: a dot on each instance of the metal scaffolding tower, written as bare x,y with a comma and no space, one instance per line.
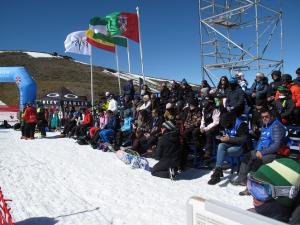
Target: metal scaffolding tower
239,35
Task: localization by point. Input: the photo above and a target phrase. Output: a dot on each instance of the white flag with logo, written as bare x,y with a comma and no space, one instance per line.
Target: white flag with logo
76,43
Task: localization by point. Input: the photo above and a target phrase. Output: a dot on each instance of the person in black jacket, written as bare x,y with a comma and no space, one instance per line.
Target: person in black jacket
128,89
233,143
235,99
276,76
167,152
41,120
164,94
285,106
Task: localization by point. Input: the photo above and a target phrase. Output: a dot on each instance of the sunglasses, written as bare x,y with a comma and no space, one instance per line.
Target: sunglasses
266,117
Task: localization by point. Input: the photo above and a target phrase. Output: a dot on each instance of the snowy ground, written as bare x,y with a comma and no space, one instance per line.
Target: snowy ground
56,181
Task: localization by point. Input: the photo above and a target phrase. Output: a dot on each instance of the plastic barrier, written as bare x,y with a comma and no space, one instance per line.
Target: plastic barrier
5,217
211,212
25,83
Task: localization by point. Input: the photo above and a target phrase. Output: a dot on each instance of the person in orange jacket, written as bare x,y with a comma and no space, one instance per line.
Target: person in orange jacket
87,122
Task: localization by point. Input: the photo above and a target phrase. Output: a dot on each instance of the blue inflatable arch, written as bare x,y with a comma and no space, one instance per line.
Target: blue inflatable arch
25,83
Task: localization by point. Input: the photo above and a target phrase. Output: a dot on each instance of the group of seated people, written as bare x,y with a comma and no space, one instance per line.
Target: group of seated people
250,123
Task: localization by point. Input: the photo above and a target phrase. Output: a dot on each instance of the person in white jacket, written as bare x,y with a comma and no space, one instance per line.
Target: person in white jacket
113,104
209,124
146,104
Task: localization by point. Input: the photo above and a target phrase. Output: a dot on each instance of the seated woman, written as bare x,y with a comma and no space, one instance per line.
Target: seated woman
140,128
168,152
126,129
103,119
105,135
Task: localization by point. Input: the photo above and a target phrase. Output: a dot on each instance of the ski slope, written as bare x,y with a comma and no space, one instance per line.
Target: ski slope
56,181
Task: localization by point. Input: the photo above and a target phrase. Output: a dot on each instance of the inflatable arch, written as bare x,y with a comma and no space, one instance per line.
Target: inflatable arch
25,83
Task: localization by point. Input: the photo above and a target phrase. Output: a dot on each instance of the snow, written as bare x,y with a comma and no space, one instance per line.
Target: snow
35,54
56,181
40,55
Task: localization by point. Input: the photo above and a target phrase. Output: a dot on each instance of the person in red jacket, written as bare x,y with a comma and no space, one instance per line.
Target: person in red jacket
30,118
87,122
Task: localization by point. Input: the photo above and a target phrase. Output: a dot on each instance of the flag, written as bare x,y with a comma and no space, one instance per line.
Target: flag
76,43
123,24
98,42
98,25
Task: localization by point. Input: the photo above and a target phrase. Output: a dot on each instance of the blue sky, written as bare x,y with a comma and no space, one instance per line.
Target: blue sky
169,28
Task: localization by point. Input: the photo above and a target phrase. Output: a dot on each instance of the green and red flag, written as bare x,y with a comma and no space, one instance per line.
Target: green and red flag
123,24
98,26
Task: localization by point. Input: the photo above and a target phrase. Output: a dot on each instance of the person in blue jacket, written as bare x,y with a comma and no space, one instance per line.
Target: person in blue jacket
126,129
234,142
273,137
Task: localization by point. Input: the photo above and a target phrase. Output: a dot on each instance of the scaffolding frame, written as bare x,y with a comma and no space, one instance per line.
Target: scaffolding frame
222,43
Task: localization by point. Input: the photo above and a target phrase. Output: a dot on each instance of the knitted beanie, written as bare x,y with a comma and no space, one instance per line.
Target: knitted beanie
233,80
280,172
169,105
169,125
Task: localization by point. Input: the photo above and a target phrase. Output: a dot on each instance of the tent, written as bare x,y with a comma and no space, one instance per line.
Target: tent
63,97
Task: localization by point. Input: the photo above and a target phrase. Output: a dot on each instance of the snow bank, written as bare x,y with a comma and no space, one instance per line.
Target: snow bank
56,181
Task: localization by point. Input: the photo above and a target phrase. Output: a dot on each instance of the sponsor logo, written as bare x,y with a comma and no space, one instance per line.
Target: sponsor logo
53,95
18,80
122,22
80,43
70,96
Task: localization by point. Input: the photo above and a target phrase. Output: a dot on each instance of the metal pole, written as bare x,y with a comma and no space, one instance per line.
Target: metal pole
128,57
257,35
118,71
92,86
281,37
201,42
141,50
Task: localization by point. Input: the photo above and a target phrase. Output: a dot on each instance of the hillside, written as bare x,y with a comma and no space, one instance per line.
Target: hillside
53,71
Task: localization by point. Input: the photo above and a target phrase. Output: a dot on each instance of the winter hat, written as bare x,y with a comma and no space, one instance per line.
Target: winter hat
286,78
239,74
260,102
184,81
280,172
259,74
232,80
169,105
107,94
127,113
276,72
168,125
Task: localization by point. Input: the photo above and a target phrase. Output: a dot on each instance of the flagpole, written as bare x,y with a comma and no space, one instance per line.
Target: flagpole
128,57
118,71
140,38
92,87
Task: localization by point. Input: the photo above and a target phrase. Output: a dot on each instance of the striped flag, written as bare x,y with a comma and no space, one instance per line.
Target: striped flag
99,43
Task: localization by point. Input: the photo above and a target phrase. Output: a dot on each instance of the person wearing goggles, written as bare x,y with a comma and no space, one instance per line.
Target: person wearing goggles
275,188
